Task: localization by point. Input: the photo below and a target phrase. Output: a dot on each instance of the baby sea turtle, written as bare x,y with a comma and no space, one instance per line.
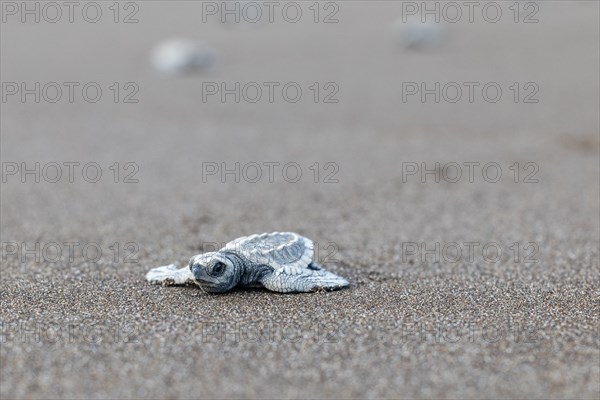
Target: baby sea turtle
180,56
279,261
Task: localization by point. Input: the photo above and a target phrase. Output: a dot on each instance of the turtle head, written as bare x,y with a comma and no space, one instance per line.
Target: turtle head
215,272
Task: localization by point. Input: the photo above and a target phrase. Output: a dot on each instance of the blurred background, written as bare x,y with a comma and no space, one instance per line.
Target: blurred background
178,106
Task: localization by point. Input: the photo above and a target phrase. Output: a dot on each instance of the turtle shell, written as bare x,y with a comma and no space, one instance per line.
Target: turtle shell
277,249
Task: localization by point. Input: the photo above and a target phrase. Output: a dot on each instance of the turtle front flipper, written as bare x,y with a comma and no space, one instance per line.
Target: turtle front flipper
292,279
170,275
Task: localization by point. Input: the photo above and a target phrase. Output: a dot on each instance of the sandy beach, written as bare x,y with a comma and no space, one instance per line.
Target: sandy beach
469,230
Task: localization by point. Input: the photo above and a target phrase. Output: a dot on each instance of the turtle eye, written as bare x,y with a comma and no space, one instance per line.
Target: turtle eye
218,269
